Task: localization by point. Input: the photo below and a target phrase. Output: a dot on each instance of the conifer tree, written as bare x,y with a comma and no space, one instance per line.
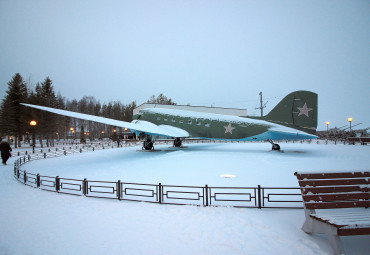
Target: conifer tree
13,119
46,97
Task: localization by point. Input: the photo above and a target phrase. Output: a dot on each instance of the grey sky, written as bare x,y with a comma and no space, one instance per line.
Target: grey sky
220,53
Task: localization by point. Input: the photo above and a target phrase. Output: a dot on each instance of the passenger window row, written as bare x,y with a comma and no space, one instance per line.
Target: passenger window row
190,122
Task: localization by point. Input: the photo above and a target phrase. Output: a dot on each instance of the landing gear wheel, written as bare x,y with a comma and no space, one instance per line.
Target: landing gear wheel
275,147
148,145
177,142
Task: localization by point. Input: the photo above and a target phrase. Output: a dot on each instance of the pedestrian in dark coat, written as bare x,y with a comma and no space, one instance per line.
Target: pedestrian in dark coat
5,151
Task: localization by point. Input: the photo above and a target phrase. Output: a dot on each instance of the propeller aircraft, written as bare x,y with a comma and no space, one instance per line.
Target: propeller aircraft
294,118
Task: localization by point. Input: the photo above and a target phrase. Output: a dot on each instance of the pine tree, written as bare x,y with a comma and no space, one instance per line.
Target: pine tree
13,119
45,96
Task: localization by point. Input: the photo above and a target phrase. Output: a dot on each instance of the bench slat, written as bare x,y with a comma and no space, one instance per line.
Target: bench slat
351,222
346,215
335,197
332,182
334,189
362,219
332,205
353,231
349,218
301,176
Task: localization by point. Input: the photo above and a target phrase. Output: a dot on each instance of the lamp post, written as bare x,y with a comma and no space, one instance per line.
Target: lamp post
327,126
72,131
33,124
350,124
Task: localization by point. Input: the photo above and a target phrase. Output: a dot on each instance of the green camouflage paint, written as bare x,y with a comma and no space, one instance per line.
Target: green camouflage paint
297,110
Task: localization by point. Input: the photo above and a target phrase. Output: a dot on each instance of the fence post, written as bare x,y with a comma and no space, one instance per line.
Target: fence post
80,150
38,181
160,193
57,183
84,187
45,155
65,153
119,189
206,194
259,196
25,177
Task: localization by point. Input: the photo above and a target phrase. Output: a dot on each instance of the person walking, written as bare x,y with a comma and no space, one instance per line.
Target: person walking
5,151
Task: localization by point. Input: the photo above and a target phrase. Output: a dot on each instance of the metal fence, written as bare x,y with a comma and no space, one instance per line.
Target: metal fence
244,197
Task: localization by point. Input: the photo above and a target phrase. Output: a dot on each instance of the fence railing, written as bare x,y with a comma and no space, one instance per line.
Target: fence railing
245,197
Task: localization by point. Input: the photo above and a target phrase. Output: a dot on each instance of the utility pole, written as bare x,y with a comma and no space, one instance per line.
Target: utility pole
262,105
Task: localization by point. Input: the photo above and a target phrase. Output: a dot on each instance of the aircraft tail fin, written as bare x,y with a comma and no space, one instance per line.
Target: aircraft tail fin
297,110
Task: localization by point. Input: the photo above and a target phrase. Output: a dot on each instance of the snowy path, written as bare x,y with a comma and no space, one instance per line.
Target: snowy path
39,222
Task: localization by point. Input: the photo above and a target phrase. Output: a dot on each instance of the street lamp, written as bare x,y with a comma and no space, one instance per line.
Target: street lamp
350,124
327,126
72,131
33,124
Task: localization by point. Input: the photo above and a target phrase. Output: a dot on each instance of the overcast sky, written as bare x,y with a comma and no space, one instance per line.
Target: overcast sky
220,53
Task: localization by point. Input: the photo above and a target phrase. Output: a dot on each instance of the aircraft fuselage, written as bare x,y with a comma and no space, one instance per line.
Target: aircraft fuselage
216,126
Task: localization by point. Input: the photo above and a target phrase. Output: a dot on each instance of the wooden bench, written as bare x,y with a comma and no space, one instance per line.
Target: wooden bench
336,191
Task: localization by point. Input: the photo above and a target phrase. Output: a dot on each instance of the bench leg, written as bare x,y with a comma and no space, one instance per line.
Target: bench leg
307,226
330,231
336,244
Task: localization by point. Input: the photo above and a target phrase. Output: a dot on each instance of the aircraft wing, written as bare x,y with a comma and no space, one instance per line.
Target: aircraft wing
141,126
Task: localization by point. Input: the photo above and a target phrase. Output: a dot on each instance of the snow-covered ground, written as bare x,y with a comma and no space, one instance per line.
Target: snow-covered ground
33,221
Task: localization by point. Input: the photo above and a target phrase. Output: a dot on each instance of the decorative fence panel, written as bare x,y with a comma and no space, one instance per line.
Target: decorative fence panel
139,192
274,197
183,195
233,196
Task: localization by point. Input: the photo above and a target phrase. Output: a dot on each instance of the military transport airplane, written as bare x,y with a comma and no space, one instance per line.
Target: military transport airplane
294,118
